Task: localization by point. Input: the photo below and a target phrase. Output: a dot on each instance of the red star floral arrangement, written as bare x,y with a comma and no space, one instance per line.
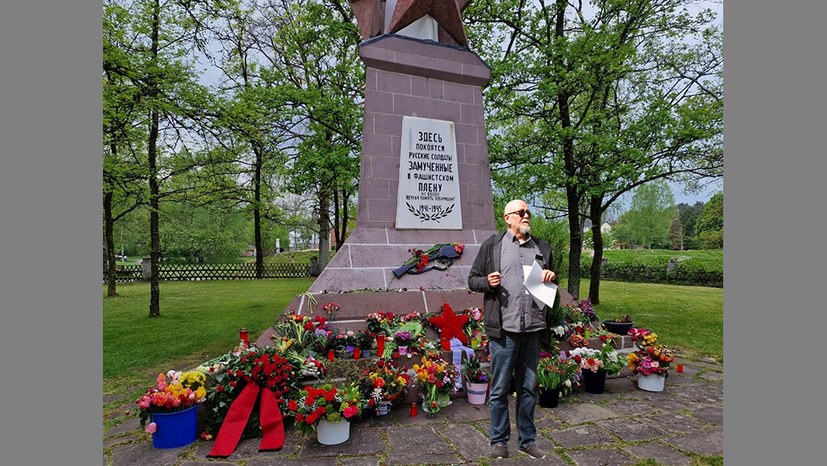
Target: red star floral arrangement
450,325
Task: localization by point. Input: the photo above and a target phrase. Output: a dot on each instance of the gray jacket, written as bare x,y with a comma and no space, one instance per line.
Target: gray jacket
488,261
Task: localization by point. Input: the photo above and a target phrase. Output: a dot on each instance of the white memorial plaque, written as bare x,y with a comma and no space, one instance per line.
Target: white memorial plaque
428,196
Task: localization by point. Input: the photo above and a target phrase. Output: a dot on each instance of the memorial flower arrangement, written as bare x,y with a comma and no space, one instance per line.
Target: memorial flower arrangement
473,372
439,255
312,404
590,359
263,366
643,336
380,322
309,334
365,339
330,309
383,382
557,372
437,381
650,359
474,328
175,391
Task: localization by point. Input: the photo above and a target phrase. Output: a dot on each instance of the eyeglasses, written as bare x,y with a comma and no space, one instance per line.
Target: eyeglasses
522,213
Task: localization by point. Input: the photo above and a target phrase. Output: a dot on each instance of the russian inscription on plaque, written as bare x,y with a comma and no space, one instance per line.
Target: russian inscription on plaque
428,196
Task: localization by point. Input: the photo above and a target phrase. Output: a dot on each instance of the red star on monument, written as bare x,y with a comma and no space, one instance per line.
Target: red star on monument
450,325
445,12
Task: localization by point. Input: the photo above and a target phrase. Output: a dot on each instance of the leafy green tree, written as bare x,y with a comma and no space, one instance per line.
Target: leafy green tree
649,219
688,216
710,225
152,57
597,98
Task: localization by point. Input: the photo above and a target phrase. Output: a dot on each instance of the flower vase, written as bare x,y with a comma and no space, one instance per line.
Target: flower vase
176,429
477,393
333,433
402,349
594,382
430,409
383,408
651,382
549,397
366,354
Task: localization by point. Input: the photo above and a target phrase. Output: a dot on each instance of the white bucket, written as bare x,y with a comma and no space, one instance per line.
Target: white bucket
333,433
651,383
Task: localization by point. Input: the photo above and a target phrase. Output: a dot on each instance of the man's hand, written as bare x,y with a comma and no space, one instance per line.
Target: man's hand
494,279
548,276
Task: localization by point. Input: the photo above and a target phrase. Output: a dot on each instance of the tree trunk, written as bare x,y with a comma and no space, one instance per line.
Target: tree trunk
257,216
572,191
324,229
597,261
152,155
109,227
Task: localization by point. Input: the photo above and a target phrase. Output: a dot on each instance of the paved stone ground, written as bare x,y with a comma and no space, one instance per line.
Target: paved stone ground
622,426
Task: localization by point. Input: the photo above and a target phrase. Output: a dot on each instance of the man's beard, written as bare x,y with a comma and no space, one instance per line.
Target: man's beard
525,229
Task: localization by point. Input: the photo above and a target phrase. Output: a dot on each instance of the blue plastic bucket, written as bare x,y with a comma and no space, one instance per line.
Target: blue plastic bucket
176,429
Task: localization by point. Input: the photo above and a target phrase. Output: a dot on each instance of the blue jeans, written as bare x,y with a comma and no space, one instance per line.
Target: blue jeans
517,354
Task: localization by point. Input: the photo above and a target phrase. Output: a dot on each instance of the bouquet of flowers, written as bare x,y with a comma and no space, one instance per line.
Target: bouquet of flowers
651,359
308,335
327,402
593,360
343,341
182,391
380,322
642,336
474,328
473,372
263,366
437,380
330,308
557,373
383,382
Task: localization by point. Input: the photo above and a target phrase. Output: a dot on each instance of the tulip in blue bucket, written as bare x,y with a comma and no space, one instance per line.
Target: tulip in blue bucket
176,429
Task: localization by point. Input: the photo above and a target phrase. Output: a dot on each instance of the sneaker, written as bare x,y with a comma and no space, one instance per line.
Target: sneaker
499,451
533,451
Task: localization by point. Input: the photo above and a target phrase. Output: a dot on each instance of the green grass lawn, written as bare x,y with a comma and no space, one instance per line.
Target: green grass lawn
687,318
198,321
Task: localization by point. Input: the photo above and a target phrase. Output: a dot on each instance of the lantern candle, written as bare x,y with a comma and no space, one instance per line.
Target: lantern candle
244,335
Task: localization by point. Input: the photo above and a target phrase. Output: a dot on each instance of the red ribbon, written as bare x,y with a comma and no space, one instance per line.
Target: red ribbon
272,425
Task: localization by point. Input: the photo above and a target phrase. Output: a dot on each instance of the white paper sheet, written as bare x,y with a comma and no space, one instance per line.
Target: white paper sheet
533,282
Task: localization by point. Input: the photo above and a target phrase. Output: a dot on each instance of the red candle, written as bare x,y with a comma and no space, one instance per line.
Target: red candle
244,335
680,368
413,409
380,345
357,353
331,355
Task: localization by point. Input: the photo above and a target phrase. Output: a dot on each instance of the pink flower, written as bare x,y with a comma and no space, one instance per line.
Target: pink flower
151,427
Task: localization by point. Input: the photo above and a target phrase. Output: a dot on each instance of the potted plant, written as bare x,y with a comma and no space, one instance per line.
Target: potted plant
620,324
595,365
365,339
171,407
327,410
554,375
476,380
650,361
382,384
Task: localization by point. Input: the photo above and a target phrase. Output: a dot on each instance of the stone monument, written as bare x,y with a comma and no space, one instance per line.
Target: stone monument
425,176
